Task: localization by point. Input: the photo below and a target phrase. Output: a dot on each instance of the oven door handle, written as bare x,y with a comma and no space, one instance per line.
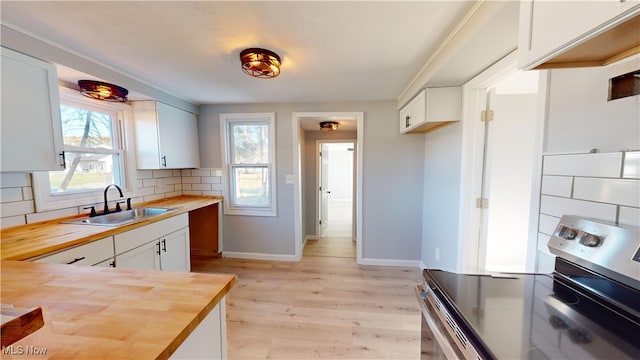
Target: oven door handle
438,335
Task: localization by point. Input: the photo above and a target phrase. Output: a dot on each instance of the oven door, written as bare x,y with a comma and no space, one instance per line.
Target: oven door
435,341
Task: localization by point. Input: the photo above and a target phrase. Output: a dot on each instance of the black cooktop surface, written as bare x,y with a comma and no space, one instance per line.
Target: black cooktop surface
536,316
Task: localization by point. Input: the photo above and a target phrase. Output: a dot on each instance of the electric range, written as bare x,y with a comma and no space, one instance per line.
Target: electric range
588,308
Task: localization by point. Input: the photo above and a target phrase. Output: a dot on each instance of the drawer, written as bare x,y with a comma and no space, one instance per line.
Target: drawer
86,254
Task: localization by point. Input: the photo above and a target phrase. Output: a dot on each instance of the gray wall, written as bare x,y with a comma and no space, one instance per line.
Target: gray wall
392,189
441,212
310,173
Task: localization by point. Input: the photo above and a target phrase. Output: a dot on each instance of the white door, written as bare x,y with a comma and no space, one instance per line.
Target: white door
174,251
324,191
508,177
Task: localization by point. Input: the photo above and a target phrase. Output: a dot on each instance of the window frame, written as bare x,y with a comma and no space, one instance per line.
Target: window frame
123,140
226,121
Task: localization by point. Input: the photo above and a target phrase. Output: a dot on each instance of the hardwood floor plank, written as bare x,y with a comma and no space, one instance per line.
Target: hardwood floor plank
319,308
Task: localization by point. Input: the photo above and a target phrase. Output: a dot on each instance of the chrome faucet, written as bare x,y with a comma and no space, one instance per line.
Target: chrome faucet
106,206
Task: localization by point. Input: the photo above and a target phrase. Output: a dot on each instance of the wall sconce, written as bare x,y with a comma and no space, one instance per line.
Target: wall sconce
327,126
103,91
260,63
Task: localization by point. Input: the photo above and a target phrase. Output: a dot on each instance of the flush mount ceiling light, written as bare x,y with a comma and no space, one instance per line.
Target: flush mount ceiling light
103,91
260,63
328,126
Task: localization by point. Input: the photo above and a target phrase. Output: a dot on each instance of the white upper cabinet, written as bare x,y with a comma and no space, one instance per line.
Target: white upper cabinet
31,137
431,109
556,34
166,137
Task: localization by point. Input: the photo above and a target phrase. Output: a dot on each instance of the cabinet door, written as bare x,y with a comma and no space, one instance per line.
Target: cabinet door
547,28
31,137
144,257
178,133
174,251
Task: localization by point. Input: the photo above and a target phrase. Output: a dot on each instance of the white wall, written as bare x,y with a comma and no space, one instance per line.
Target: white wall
441,213
392,189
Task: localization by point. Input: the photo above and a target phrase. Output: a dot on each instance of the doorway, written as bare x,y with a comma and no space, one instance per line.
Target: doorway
339,203
508,171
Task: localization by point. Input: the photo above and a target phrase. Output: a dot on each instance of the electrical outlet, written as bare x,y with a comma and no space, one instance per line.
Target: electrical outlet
436,254
289,179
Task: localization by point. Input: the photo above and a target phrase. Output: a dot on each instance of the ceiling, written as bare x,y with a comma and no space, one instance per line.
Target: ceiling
331,51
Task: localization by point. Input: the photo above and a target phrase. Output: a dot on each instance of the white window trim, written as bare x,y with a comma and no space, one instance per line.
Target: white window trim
225,120
45,201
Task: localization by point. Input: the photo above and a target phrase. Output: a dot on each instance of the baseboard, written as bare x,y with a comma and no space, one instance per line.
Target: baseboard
392,262
422,265
258,256
309,237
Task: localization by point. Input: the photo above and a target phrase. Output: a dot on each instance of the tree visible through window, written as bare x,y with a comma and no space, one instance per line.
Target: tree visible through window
92,150
249,146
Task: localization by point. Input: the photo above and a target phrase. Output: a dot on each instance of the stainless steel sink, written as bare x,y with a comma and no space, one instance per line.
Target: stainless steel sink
120,218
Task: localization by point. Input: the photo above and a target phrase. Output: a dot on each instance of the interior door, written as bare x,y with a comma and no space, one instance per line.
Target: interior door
509,160
324,190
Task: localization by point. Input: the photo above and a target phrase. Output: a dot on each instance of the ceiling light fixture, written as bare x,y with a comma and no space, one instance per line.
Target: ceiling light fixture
327,126
260,63
103,91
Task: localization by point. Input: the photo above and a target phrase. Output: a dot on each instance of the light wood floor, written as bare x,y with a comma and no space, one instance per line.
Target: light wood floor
319,308
330,246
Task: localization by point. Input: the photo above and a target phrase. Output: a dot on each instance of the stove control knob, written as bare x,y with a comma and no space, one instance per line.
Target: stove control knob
590,240
567,233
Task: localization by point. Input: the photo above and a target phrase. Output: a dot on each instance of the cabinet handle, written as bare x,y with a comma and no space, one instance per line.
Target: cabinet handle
164,245
75,260
112,264
158,245
164,160
64,161
407,121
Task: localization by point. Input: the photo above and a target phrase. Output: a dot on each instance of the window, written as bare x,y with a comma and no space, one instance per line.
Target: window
94,153
249,152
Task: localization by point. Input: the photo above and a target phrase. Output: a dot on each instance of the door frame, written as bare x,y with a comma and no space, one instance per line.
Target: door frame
297,170
355,185
471,246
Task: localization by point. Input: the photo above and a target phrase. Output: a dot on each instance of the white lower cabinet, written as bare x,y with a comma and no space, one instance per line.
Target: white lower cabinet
99,253
209,339
163,245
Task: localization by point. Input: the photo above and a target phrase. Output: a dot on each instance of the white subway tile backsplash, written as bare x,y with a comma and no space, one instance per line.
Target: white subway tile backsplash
629,216
186,187
50,215
595,165
14,180
191,180
192,192
145,191
162,173
145,174
557,206
216,172
154,197
172,194
212,193
548,224
16,208
149,182
172,180
185,172
166,189
631,165
11,221
27,193
10,194
613,191
557,185
177,173
211,180
201,187
201,172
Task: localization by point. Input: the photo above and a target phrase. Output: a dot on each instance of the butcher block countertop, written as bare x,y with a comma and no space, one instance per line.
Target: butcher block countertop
106,313
32,240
